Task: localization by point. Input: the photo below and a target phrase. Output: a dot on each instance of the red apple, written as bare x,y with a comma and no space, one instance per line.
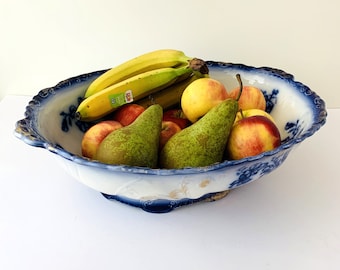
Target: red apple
128,113
177,116
169,128
251,136
251,98
95,135
200,96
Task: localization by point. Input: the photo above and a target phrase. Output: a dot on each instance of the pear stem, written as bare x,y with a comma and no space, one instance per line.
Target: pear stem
241,112
238,77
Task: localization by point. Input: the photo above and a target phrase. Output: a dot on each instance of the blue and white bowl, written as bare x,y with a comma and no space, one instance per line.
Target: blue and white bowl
50,123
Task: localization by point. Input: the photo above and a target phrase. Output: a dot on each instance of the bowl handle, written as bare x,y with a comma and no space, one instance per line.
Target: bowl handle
27,134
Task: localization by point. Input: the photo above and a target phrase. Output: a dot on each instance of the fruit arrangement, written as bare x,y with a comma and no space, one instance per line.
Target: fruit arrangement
163,110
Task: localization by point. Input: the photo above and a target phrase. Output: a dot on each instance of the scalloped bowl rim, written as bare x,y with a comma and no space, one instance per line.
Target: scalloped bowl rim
190,170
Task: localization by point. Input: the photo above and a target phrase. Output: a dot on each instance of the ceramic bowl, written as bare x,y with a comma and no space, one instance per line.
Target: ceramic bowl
50,123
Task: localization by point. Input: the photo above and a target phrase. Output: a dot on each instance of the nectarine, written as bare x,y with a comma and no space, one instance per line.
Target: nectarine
95,135
128,113
177,116
252,112
251,98
251,136
169,128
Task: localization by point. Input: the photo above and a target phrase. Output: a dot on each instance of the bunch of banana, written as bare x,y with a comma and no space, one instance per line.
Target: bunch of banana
132,83
145,62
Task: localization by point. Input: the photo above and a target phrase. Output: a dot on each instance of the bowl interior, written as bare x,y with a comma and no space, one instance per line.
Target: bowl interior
297,110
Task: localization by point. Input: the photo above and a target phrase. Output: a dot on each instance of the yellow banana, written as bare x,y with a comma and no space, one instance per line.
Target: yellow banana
131,89
145,62
171,95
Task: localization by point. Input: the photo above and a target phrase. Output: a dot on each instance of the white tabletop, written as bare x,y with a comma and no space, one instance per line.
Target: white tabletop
289,219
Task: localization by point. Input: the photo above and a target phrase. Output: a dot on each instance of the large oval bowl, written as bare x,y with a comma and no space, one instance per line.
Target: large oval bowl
50,123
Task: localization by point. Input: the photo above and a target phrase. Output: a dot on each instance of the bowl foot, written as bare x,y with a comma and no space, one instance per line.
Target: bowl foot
163,205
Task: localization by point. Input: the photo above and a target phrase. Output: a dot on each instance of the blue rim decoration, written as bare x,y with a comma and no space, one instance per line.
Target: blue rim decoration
26,130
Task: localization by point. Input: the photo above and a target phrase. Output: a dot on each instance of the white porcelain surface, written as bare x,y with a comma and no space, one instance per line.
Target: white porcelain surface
50,123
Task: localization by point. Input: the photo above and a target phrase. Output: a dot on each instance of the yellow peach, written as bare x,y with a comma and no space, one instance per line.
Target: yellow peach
200,96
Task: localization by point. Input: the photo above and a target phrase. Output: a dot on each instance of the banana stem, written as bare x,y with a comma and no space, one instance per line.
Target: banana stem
238,77
199,65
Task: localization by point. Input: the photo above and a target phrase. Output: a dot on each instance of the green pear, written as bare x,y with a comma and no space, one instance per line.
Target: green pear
202,143
135,144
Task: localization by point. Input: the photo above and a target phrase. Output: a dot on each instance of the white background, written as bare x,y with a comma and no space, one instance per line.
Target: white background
44,42
288,220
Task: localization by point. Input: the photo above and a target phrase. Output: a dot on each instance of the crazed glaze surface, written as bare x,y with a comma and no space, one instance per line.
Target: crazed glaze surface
50,123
